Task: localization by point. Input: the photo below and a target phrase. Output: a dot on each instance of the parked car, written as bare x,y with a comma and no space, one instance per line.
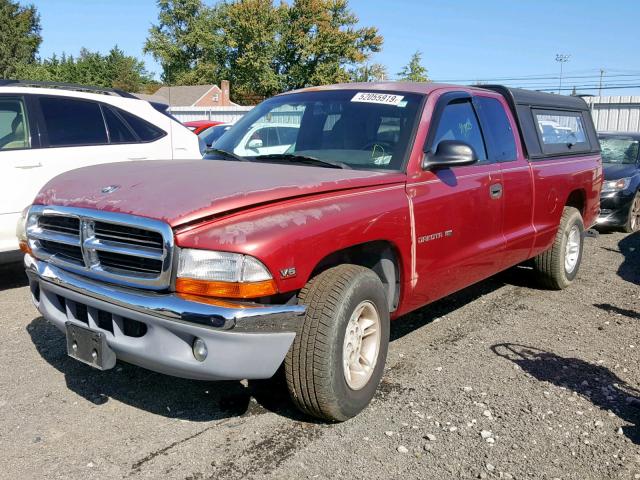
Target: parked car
267,137
212,134
389,197
199,126
47,129
620,198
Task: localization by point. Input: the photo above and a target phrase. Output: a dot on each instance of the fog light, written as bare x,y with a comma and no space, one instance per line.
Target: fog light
200,350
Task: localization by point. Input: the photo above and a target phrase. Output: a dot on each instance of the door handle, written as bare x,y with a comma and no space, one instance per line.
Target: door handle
495,191
29,166
137,158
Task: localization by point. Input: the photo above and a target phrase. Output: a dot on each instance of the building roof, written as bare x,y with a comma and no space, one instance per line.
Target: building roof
183,96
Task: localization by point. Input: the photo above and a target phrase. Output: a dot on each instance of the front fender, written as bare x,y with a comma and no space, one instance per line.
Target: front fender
295,235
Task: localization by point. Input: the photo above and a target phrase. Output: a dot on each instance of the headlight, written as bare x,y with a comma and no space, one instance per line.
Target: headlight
616,185
223,274
21,231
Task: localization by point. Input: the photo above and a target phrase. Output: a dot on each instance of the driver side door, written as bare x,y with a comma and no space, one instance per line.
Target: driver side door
457,211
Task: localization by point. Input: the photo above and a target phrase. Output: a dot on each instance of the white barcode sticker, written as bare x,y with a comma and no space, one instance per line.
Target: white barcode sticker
382,98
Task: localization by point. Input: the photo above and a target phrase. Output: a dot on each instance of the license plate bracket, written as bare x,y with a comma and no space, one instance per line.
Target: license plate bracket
89,346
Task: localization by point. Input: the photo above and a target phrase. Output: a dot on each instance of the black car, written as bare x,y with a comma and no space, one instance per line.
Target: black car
620,197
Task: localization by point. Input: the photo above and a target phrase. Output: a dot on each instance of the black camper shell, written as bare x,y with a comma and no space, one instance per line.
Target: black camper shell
529,107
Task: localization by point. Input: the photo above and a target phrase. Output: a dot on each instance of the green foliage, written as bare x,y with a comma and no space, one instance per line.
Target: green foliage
414,71
114,70
261,48
374,72
19,36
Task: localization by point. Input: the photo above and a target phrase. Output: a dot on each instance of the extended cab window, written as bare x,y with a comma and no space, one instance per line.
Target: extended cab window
459,122
71,122
497,130
561,132
14,129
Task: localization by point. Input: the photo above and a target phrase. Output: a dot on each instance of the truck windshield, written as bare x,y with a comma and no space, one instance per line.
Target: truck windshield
345,128
619,150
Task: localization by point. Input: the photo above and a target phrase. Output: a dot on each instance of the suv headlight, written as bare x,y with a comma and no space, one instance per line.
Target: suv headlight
616,185
21,230
223,274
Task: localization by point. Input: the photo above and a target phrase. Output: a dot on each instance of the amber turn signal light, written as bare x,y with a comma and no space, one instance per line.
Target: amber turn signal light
24,247
226,289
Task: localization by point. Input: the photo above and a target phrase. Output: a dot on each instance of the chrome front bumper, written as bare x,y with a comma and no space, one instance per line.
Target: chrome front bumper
244,340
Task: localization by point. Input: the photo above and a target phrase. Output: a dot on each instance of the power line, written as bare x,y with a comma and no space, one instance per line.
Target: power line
538,77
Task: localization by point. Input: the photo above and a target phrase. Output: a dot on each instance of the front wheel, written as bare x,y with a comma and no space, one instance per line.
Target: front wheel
558,266
633,220
337,358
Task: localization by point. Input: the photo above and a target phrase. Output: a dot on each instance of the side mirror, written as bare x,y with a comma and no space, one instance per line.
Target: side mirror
254,144
450,153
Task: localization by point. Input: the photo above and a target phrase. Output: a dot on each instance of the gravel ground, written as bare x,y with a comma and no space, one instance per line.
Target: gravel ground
498,381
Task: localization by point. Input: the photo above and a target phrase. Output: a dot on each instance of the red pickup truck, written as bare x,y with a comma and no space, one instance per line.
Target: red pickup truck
388,196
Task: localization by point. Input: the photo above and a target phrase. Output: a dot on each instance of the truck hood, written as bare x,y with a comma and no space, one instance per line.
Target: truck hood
614,171
183,191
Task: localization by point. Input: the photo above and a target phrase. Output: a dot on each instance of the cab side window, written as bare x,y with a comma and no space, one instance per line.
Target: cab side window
459,122
14,127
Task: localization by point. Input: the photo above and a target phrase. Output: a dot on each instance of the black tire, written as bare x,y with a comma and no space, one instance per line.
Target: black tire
550,265
633,218
314,364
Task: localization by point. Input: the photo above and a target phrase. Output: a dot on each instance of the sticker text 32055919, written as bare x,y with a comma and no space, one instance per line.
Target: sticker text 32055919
382,98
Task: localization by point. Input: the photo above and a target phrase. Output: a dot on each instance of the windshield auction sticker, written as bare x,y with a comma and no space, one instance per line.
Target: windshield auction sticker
382,98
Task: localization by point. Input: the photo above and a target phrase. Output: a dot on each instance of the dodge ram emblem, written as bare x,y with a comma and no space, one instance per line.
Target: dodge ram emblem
110,188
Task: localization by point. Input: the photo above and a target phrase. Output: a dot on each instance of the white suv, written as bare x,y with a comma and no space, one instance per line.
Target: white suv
47,129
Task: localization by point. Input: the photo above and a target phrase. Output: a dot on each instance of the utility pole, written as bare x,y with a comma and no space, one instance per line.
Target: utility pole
600,84
561,58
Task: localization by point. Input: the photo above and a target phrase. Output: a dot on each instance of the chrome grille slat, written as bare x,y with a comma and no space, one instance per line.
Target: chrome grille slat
118,248
144,237
105,236
121,262
57,237
124,249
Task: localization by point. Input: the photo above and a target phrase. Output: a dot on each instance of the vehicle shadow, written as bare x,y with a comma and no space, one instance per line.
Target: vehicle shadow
629,270
519,276
12,276
596,383
607,307
159,394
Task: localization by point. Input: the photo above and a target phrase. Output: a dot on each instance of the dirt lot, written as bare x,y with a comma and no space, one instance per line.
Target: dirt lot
499,381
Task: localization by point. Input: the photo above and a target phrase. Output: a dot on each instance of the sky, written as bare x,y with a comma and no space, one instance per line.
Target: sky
462,41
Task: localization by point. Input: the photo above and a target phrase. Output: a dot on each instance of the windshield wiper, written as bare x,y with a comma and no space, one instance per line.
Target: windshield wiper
292,158
226,154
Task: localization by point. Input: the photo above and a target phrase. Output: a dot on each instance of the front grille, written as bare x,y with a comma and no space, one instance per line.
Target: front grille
116,247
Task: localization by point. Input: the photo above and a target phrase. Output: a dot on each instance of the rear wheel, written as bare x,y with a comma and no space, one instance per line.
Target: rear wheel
337,359
558,266
633,221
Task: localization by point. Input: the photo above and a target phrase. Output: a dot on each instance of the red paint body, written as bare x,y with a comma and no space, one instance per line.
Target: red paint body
298,215
197,126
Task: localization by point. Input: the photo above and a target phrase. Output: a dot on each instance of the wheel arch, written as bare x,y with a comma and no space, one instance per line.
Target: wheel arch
381,256
578,200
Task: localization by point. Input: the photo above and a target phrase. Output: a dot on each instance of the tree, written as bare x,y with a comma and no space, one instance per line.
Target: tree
375,72
183,38
319,41
414,71
19,36
114,70
261,48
